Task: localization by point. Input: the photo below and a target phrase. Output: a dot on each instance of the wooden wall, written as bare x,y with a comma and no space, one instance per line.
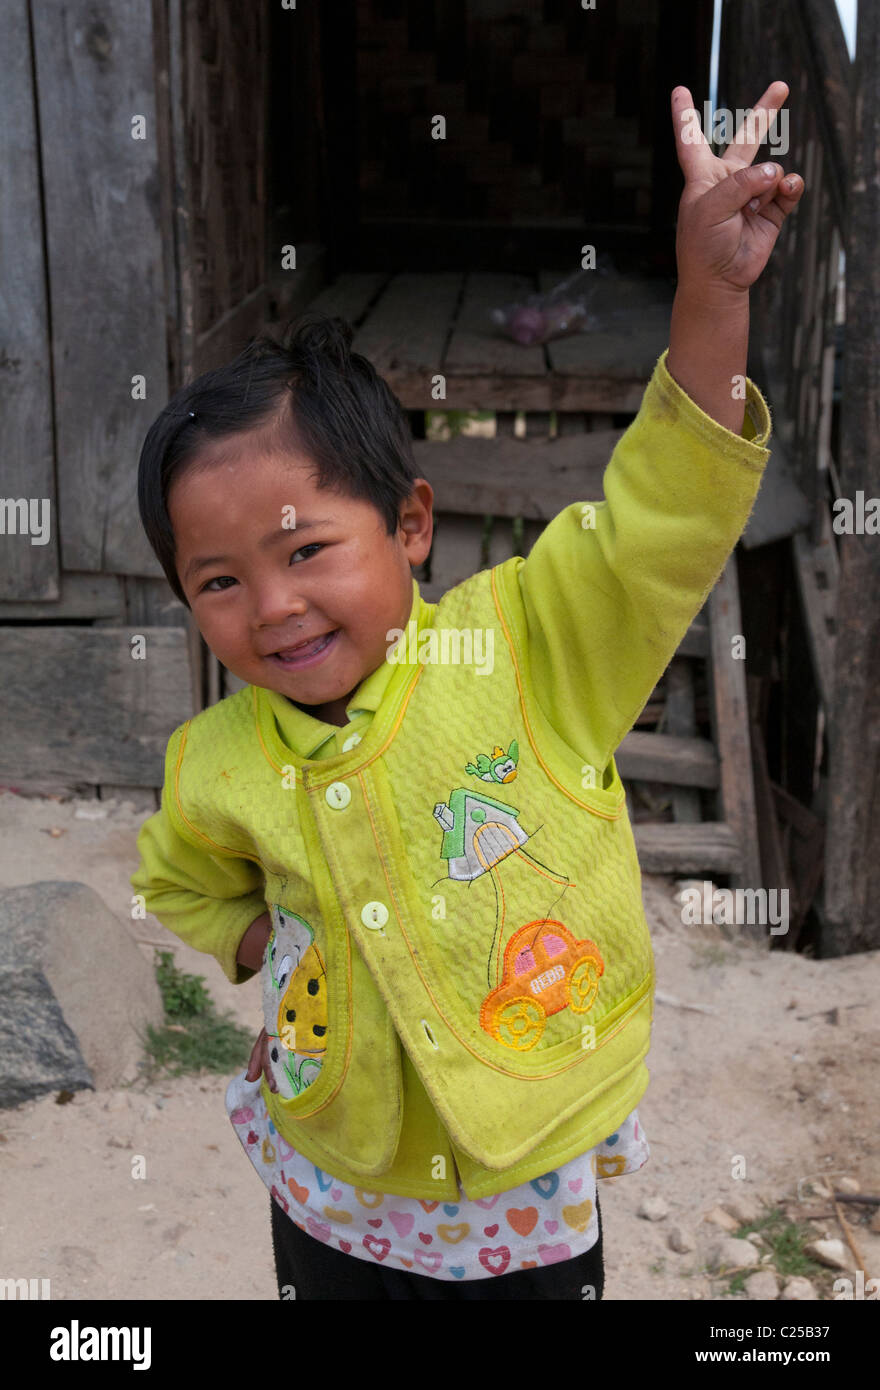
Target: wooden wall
133,256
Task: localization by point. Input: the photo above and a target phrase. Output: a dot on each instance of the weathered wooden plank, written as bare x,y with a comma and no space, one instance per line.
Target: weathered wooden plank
772,855
231,333
142,798
350,296
81,596
28,572
150,603
104,716
708,847
94,65
678,761
681,723
852,868
633,314
455,553
731,724
477,346
511,477
816,569
696,640
805,836
404,334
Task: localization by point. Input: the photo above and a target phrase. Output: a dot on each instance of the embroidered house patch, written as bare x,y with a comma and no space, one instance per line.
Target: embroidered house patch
294,1002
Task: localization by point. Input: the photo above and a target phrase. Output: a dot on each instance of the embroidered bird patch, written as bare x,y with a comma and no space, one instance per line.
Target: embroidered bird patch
500,767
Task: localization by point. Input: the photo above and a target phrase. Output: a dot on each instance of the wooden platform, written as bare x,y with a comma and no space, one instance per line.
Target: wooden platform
416,327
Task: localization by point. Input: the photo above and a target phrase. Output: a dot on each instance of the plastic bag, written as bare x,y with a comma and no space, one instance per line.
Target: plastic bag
558,312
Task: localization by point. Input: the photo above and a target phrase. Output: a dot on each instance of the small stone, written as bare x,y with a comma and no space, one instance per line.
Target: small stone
719,1217
762,1285
755,1238
850,1185
731,1254
116,1141
653,1209
680,1240
744,1208
830,1252
149,1111
90,812
875,1223
798,1290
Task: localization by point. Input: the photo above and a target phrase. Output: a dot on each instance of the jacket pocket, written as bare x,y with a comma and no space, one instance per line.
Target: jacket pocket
295,1002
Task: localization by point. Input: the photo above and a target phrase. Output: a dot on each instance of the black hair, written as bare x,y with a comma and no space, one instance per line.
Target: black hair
306,393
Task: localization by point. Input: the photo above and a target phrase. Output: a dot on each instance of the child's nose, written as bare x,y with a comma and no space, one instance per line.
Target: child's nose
277,604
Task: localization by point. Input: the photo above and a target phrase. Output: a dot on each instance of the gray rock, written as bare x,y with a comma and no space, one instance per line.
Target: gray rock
800,1290
762,1285
82,1016
653,1209
38,1052
744,1208
680,1240
830,1252
719,1217
731,1254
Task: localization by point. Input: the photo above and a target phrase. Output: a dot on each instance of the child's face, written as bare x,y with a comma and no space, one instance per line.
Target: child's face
277,584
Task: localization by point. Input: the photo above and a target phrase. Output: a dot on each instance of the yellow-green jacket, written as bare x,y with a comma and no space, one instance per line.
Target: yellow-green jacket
461,963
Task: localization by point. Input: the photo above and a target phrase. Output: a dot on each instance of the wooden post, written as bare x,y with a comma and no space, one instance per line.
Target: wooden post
852,870
730,718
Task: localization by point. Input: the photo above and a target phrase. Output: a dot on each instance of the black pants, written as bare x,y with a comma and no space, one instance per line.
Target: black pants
314,1270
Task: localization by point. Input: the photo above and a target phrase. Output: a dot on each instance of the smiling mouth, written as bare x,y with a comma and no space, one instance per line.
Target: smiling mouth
312,647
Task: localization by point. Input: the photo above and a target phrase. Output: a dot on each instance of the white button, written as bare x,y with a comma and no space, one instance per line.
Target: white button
337,795
351,742
374,916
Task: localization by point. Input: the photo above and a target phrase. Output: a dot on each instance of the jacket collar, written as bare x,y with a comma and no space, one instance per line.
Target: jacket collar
309,737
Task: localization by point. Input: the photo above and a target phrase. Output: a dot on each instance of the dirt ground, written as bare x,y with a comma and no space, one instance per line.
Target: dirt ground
781,1076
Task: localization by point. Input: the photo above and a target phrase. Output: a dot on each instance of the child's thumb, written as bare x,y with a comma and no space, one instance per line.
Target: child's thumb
731,195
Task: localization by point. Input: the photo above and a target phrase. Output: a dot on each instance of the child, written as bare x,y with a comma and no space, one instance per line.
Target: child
410,819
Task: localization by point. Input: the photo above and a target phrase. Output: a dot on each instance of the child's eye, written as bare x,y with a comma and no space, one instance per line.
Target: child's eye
315,545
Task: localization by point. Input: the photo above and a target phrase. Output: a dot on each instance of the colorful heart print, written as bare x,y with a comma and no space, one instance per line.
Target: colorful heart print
546,1186
453,1234
553,1254
402,1221
378,1246
429,1259
523,1220
578,1218
494,1261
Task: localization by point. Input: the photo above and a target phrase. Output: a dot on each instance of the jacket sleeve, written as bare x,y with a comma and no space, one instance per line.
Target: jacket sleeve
208,899
610,590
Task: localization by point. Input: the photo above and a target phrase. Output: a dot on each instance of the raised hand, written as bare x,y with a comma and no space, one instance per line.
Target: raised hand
730,214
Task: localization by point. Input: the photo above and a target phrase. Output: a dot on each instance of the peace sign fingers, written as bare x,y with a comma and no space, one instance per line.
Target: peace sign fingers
754,128
695,156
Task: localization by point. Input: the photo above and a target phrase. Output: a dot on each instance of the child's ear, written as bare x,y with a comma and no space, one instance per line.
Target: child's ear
416,518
